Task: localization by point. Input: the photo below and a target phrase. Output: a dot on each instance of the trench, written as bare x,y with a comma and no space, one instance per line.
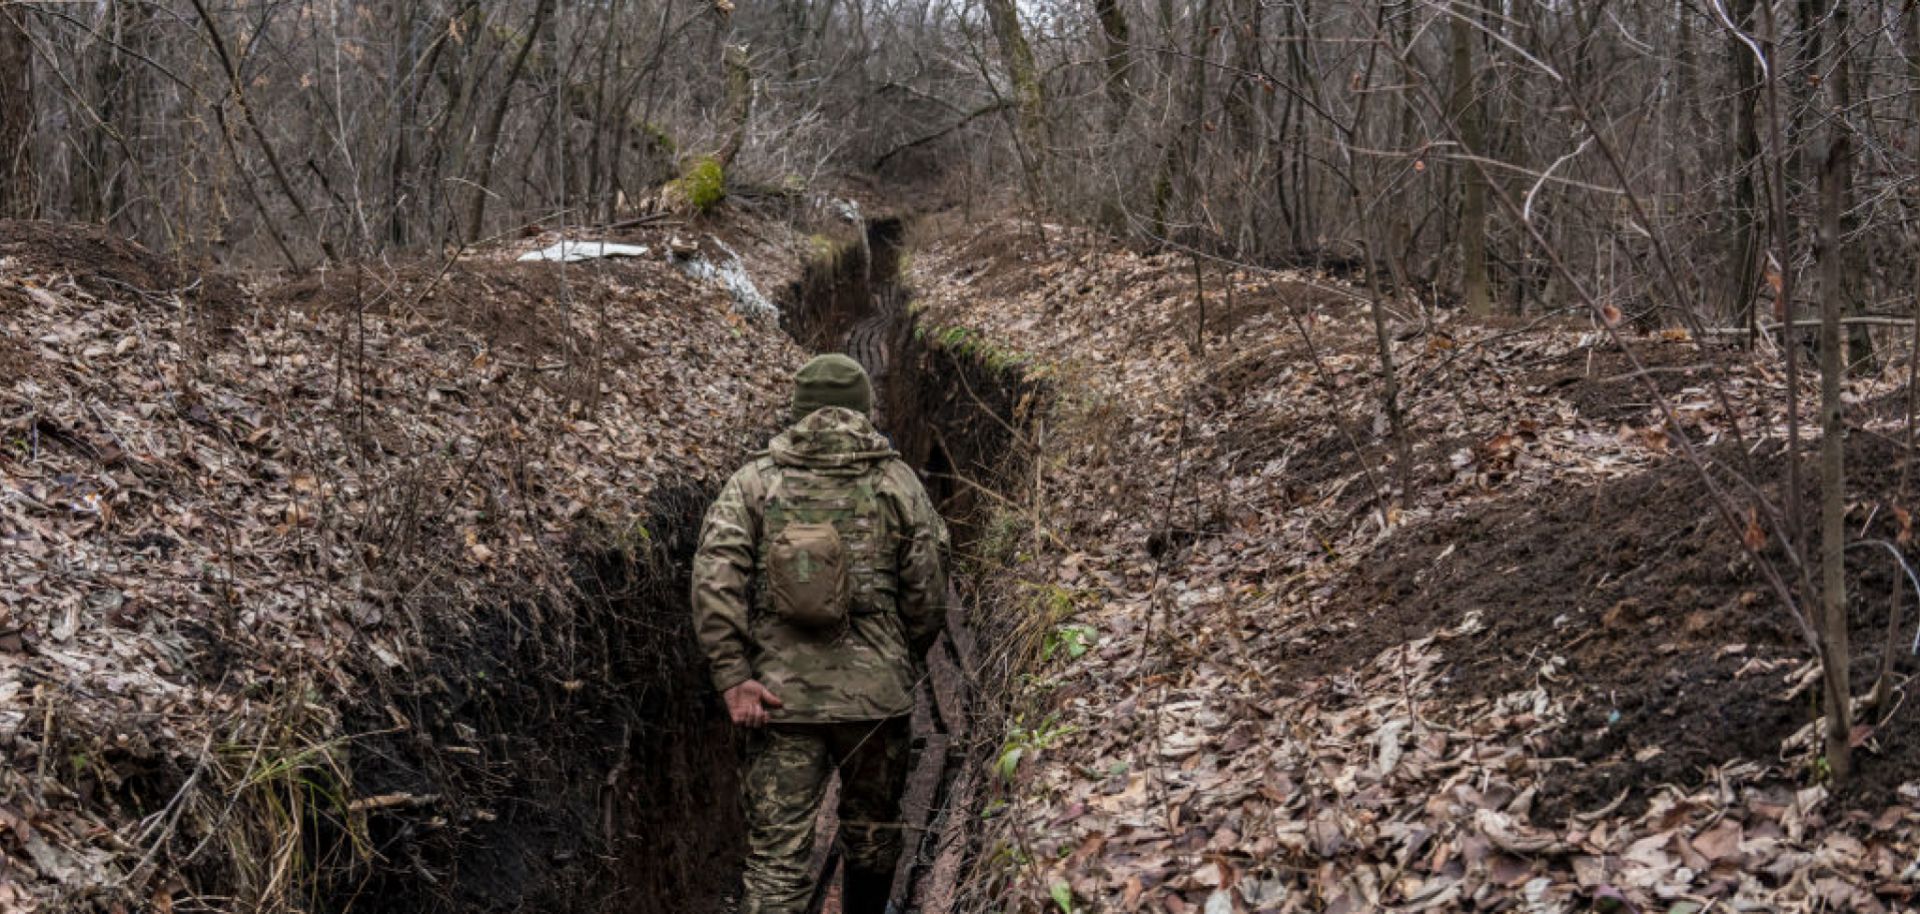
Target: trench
949,414
954,419
576,758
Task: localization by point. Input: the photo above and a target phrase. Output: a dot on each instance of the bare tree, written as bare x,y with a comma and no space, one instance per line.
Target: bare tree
1465,108
17,188
1024,75
490,137
1835,177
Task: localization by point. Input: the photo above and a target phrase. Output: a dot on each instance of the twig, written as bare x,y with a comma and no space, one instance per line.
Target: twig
391,801
1899,557
171,814
1653,370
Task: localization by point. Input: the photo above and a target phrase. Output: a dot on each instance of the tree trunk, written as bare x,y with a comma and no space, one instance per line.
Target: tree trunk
1835,649
1360,188
1029,98
739,102
1860,352
1464,108
1743,250
405,82
17,196
1115,48
1197,72
490,139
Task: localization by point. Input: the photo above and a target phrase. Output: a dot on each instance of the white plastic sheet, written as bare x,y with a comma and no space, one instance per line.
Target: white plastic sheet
575,251
731,274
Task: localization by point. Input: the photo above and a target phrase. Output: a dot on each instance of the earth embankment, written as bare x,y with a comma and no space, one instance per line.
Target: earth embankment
364,590
1280,662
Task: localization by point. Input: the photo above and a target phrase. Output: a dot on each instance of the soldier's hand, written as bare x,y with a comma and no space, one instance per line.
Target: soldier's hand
749,702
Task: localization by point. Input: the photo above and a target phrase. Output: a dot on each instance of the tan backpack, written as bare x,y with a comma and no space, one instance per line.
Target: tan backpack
807,581
814,527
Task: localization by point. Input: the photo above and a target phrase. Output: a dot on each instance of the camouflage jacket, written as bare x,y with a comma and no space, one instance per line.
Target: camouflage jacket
866,671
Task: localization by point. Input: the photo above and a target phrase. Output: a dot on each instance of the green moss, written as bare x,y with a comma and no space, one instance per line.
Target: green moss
704,183
971,344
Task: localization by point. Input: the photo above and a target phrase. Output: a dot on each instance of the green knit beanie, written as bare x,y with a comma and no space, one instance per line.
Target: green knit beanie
831,380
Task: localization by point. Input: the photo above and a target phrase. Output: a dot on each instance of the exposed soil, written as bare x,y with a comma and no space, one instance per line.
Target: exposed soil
488,698
1541,503
954,419
1222,319
1606,387
113,267
1675,650
577,751
16,360
626,788
572,756
517,306
843,285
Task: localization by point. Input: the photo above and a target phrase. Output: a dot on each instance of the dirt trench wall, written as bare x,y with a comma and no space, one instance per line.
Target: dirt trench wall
575,755
364,590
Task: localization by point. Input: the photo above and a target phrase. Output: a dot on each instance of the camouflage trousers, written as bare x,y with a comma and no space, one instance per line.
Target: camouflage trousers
786,775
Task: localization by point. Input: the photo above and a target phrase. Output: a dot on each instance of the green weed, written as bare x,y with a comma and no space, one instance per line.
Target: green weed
1062,894
822,250
1023,742
1070,641
662,140
292,818
1001,536
1822,770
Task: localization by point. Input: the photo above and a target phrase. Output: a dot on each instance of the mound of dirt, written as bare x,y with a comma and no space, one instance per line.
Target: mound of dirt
1633,601
527,307
111,267
1310,689
1606,386
338,598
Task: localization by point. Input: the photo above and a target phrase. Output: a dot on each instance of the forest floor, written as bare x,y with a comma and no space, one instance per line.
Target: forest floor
329,589
1533,670
307,584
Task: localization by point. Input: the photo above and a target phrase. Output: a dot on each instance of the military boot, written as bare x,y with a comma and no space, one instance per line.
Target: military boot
866,893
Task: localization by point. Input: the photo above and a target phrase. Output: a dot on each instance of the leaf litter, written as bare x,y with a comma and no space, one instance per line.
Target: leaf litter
213,501
1312,691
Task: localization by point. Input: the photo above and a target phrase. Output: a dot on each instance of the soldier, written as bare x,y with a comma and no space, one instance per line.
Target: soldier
819,585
